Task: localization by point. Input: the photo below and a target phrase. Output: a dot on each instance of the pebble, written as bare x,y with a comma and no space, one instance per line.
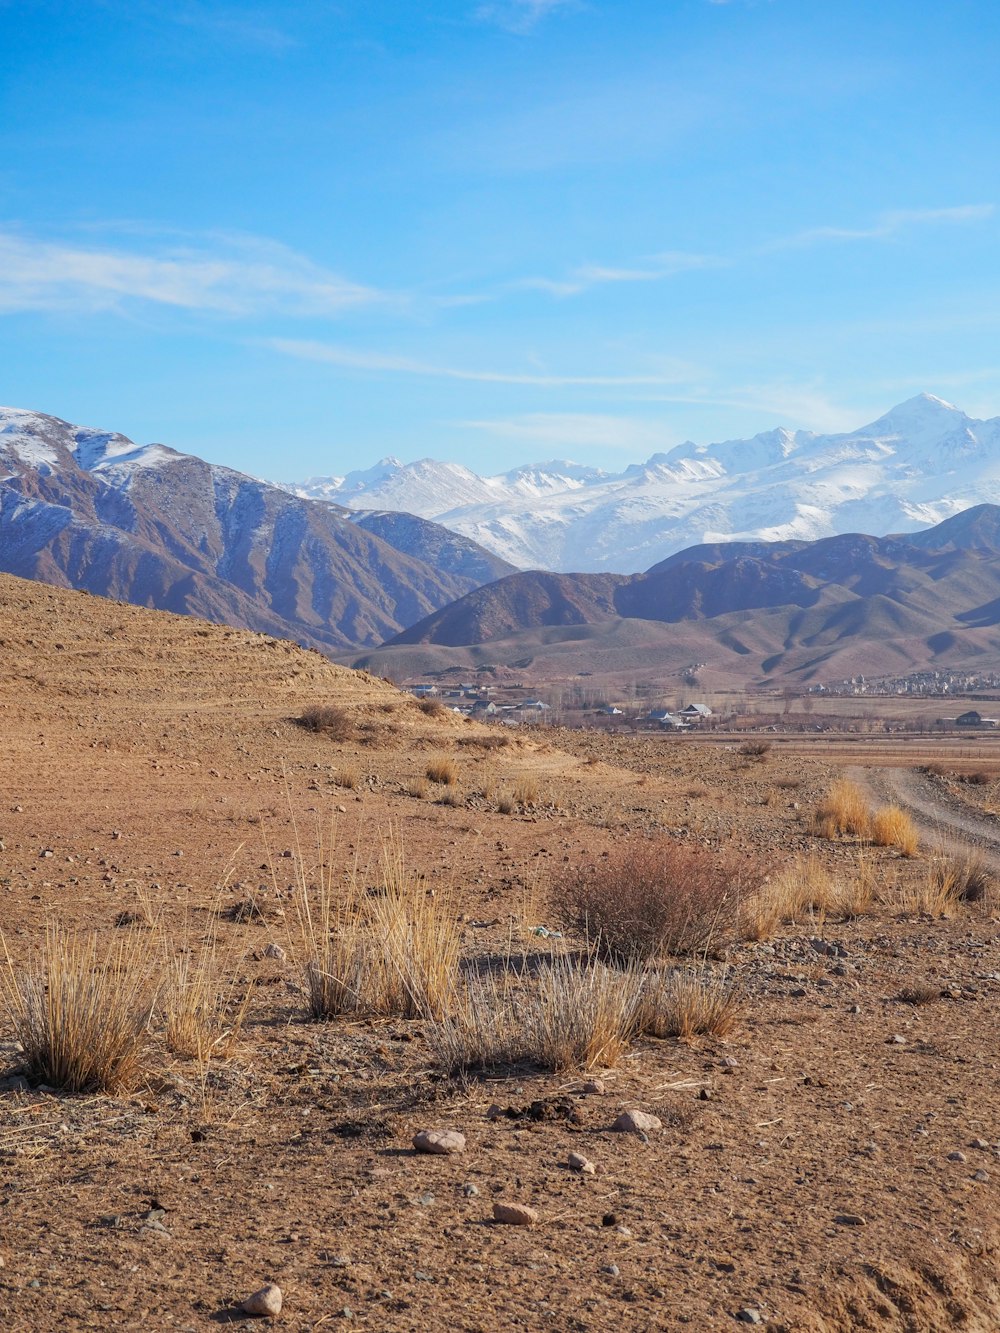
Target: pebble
981,1144
850,1220
636,1122
470,1191
275,951
897,1040
593,1088
981,1176
577,1162
749,1315
612,1269
267,1302
956,1157
514,1214
444,1142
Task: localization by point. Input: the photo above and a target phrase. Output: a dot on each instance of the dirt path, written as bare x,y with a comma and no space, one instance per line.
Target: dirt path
943,820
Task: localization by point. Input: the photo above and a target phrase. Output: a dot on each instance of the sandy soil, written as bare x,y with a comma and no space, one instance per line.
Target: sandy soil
813,1173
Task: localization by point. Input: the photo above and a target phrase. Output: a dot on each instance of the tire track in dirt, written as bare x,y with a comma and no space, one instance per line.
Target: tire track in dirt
942,820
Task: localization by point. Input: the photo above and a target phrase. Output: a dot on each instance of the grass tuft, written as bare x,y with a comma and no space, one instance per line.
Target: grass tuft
81,1011
688,1004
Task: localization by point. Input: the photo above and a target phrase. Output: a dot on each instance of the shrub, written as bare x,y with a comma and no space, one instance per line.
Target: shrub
845,810
336,723
755,749
526,792
81,1011
432,707
652,898
443,771
347,778
688,1004
892,827
417,787
963,878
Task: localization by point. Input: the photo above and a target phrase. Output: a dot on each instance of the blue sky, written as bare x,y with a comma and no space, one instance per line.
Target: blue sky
295,237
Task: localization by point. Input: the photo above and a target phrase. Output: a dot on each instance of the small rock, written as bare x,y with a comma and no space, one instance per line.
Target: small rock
956,1157
897,1040
728,1063
444,1142
636,1122
275,951
854,1009
577,1162
470,1191
267,1302
593,1088
981,1144
981,1176
611,1269
495,1112
749,1315
514,1214
850,1220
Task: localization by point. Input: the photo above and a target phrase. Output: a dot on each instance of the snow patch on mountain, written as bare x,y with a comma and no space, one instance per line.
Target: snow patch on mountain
919,463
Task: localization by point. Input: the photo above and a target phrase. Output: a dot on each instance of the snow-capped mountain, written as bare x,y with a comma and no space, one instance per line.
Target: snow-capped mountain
143,523
919,463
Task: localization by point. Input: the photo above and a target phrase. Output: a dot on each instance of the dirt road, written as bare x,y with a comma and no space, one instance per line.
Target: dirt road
944,820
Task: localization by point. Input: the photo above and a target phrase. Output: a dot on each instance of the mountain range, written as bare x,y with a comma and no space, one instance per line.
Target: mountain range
765,612
919,463
90,509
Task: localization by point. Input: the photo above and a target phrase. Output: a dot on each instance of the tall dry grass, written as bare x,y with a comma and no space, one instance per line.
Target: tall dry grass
82,1008
804,889
442,770
893,827
200,1003
686,1004
845,809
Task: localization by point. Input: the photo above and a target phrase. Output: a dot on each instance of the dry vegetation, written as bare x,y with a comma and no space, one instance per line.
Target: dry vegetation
811,1019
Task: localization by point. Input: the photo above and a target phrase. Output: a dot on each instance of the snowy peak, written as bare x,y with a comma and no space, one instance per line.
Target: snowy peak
919,463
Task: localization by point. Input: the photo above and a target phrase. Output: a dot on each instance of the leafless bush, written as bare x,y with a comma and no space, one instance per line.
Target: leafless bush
755,749
653,898
329,720
432,707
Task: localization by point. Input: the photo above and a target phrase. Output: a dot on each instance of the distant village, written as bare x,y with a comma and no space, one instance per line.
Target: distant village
488,703
924,683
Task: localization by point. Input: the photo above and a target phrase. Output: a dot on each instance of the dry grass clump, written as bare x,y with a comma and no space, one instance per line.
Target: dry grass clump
804,888
582,1015
688,1004
921,992
506,805
494,742
347,778
442,770
81,1010
483,1032
328,720
845,810
653,898
893,827
202,1014
452,797
394,953
526,792
573,1015
950,881
417,787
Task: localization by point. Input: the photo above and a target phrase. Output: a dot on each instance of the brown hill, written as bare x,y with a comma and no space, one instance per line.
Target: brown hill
805,610
148,525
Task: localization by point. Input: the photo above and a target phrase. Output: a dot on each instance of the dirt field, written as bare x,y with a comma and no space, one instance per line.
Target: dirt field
831,1165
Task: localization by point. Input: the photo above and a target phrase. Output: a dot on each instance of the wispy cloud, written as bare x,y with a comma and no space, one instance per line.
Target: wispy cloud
234,276
576,430
521,16
353,359
655,268
887,225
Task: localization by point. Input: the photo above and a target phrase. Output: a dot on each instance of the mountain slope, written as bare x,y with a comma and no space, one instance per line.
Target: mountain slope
917,464
145,524
795,608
